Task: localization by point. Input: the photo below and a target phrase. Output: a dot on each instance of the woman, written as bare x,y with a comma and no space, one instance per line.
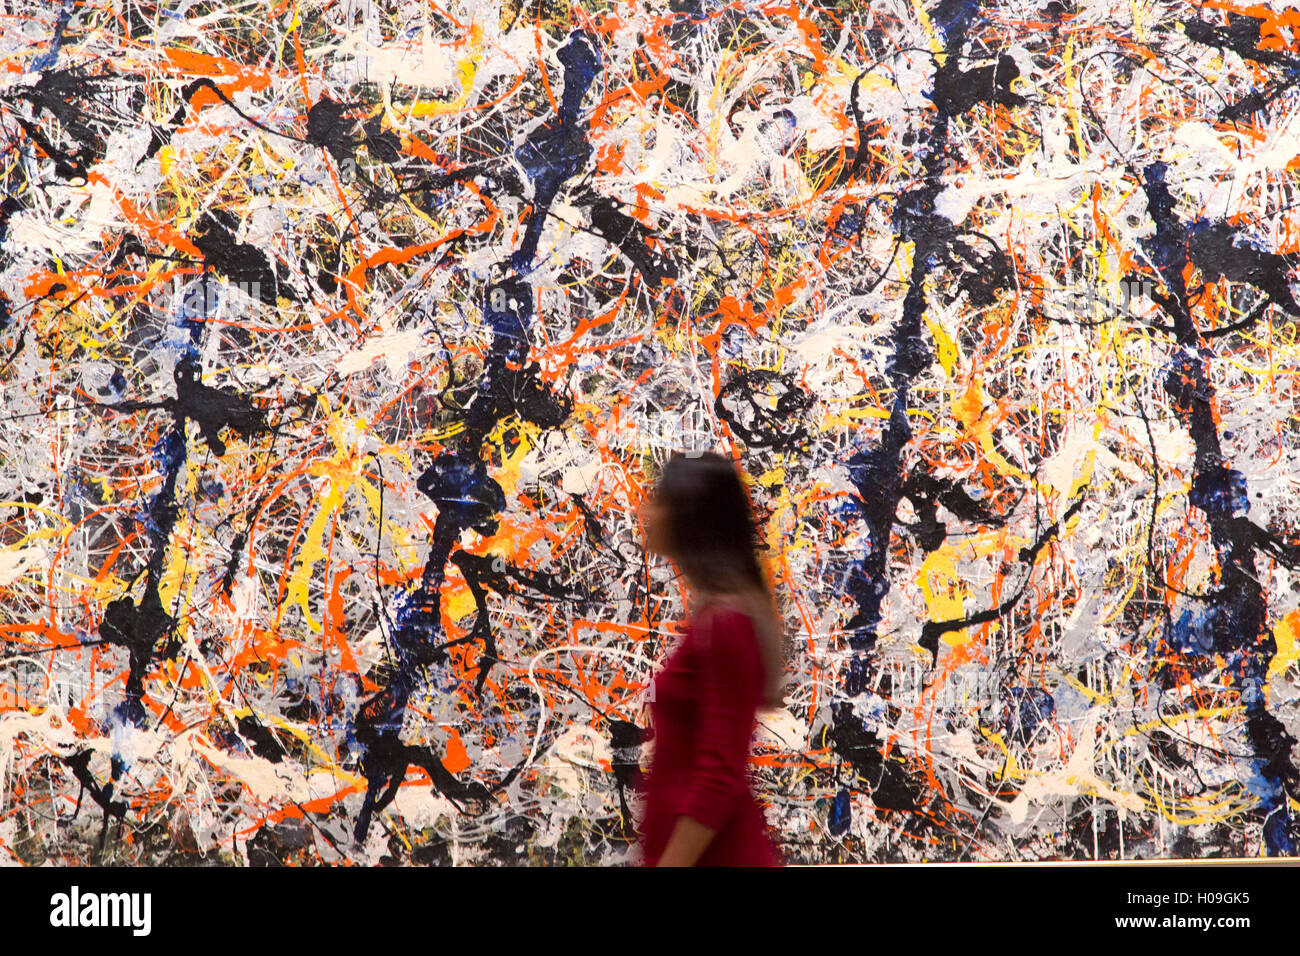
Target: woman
699,808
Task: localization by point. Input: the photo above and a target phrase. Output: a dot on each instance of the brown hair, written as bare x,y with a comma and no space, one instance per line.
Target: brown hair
711,537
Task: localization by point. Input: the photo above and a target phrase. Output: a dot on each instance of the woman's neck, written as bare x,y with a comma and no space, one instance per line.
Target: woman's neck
737,599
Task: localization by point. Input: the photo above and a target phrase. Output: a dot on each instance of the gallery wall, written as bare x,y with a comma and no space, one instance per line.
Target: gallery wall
340,341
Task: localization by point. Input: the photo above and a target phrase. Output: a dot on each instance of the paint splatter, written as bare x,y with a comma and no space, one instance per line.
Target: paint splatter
339,342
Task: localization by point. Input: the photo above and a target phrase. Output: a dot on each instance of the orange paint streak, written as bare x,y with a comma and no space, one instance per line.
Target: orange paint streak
542,71
457,759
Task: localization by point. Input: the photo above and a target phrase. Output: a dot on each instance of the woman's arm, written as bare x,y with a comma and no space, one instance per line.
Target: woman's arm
729,670
689,840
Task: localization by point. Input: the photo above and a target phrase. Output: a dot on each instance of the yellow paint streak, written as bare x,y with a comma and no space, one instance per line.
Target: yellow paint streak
1070,83
944,591
949,352
512,457
936,47
323,762
1287,635
177,577
969,410
466,72
1215,812
343,471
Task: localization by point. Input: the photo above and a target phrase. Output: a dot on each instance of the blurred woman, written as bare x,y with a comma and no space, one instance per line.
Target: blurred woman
699,808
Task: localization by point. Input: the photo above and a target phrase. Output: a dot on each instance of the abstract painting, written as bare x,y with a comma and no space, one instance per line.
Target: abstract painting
341,339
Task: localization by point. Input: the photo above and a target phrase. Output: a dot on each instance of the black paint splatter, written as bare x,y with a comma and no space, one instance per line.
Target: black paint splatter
1233,621
458,480
241,263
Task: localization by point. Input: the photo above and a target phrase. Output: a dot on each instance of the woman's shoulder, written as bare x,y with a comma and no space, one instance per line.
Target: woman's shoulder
725,619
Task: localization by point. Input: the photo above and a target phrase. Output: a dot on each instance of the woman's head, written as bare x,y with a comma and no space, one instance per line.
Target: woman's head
699,516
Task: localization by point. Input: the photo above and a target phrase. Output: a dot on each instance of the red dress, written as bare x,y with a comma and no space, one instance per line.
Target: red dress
705,702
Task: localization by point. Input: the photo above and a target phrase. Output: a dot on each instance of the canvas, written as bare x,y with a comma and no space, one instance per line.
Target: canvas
341,339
